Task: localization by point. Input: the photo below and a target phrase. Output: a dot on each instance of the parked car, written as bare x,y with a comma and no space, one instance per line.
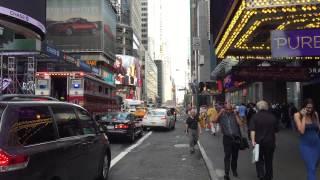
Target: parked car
159,118
73,25
51,140
121,124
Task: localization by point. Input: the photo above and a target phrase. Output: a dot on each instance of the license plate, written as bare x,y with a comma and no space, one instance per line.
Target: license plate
153,123
110,127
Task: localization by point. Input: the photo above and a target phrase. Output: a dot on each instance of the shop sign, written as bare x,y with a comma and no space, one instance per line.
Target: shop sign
296,43
70,59
51,51
290,74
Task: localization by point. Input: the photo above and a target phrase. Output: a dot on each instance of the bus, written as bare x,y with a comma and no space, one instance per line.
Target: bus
80,88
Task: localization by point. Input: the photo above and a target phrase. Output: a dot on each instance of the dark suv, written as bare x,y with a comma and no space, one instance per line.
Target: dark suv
51,140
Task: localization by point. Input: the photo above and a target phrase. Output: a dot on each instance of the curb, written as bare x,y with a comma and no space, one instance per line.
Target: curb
208,162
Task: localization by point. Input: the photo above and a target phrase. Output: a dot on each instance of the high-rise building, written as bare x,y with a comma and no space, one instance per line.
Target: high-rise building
144,23
159,64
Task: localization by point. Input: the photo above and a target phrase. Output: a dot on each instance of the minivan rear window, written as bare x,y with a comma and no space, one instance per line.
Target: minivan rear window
2,107
30,125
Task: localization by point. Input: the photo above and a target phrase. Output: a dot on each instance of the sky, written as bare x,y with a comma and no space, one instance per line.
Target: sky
177,34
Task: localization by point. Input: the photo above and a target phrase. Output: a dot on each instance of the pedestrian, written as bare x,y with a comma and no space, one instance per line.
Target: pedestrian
212,113
242,113
250,112
193,129
292,111
307,122
263,127
230,124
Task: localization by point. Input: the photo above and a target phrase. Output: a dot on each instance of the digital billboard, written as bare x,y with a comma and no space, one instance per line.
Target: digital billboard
31,12
127,70
81,25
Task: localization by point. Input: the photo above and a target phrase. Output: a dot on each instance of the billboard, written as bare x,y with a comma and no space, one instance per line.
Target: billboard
127,71
81,25
295,43
31,12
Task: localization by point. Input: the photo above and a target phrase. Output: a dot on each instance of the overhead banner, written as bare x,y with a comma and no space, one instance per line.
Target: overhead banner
296,43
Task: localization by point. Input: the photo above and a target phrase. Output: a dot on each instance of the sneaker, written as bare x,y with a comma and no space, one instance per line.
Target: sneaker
226,177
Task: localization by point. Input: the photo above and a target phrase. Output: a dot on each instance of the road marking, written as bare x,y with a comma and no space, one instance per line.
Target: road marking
212,172
115,160
181,145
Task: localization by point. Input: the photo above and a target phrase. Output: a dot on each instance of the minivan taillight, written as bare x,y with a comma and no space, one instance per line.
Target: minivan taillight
164,118
12,162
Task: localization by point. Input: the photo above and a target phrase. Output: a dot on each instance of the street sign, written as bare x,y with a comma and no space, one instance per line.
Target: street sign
196,43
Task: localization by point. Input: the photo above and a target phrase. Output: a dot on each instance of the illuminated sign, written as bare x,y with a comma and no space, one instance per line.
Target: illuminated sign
297,43
92,62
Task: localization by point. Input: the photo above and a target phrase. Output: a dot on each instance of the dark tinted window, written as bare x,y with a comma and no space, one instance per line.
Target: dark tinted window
68,124
87,124
32,125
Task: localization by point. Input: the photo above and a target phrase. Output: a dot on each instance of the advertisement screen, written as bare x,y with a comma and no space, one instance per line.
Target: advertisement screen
81,25
31,11
127,70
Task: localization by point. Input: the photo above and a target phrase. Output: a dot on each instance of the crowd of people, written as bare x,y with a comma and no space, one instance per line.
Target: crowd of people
259,124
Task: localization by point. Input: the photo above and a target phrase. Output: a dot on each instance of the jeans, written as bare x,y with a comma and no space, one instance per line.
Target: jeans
231,151
264,166
193,138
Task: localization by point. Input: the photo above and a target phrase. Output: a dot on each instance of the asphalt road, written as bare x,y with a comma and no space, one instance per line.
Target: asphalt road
164,155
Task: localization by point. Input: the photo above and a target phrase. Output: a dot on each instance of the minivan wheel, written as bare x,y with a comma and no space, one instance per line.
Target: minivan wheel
105,168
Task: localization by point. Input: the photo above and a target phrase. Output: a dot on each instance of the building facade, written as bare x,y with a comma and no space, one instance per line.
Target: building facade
265,37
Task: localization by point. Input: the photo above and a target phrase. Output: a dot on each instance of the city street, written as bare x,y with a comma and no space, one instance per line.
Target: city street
163,155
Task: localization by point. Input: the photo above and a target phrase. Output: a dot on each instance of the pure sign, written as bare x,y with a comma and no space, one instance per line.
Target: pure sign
297,43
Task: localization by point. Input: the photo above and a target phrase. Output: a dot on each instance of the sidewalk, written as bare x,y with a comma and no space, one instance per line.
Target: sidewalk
287,161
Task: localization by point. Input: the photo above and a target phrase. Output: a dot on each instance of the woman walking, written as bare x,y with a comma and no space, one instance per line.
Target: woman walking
307,121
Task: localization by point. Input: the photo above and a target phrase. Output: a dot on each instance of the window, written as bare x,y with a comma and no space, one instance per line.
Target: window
68,124
33,125
86,122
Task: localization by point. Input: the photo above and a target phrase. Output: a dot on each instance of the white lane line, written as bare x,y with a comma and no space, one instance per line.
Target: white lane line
115,160
208,162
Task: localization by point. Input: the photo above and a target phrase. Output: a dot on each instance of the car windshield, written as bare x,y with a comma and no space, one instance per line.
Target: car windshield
115,116
157,113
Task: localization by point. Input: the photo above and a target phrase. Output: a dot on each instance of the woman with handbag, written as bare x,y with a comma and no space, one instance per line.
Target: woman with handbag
263,126
307,121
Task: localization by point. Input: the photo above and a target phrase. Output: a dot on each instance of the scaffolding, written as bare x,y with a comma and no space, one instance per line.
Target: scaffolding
28,85
12,75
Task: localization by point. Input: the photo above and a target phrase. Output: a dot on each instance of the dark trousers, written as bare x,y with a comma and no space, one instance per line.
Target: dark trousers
264,165
231,151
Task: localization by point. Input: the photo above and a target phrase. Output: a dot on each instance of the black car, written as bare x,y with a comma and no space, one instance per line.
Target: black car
121,124
51,140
